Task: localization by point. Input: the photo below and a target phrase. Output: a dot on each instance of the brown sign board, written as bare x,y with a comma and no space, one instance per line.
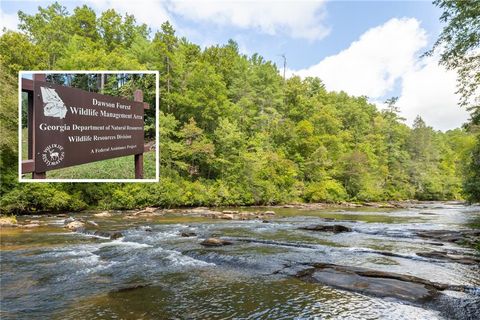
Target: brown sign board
74,126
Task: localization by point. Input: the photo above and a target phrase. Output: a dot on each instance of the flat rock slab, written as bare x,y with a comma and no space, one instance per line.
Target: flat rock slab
373,282
443,255
103,214
131,287
215,242
469,237
30,225
336,228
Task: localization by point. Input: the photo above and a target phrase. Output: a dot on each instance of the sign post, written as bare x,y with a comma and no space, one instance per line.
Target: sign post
138,96
31,148
69,126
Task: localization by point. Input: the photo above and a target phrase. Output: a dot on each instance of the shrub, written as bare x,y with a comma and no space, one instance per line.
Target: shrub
325,191
28,198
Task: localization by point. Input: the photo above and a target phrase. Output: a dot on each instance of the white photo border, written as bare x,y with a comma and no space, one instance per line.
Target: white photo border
157,112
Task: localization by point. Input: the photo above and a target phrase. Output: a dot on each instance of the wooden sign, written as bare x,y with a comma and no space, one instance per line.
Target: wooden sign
73,126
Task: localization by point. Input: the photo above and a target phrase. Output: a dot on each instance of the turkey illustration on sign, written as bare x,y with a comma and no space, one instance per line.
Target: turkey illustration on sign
53,106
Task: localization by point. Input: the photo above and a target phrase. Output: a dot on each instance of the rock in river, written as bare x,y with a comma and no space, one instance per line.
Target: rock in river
470,237
74,225
68,220
93,223
336,228
115,235
443,255
215,242
103,214
30,225
373,282
188,234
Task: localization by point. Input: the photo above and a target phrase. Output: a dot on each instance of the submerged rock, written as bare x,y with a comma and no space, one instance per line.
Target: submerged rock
373,282
30,225
336,228
68,220
112,235
115,235
131,287
102,234
188,234
93,223
215,242
230,211
103,214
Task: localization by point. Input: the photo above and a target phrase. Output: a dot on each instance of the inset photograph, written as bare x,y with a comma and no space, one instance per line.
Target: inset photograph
88,126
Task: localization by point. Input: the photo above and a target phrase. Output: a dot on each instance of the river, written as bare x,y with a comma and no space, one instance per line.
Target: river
153,272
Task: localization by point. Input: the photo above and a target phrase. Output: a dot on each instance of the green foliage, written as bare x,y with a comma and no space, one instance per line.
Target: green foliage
50,29
459,47
17,53
29,198
325,191
232,131
472,181
9,133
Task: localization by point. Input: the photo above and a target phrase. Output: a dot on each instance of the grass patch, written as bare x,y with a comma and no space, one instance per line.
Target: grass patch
116,168
24,144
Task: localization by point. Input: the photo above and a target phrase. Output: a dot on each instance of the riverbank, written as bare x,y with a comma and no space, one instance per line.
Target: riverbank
394,204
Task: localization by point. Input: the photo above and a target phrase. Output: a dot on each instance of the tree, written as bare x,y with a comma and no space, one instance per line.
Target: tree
459,45
472,180
50,29
84,22
18,53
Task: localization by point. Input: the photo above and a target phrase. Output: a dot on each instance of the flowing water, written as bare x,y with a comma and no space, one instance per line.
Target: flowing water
152,272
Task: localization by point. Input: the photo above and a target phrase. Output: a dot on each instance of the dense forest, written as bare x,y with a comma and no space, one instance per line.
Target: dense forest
233,131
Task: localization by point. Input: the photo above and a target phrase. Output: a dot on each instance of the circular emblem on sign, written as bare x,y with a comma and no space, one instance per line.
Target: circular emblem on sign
53,154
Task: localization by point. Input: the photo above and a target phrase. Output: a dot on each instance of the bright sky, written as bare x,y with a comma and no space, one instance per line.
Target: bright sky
370,48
